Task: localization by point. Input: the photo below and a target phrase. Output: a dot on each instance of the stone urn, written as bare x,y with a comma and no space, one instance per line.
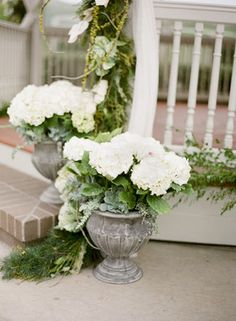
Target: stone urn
118,236
48,159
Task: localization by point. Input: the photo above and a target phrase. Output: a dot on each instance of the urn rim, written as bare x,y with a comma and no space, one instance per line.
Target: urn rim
130,215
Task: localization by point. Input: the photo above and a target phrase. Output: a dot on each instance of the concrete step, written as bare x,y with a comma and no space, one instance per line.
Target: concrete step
23,217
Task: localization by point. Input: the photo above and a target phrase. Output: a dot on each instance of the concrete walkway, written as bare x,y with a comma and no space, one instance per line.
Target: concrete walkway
181,283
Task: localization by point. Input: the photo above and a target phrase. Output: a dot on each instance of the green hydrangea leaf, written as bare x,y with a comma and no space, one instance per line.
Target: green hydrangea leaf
122,181
158,204
128,199
92,189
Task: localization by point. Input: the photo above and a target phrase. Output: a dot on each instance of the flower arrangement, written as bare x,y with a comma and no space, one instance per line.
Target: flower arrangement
55,112
129,173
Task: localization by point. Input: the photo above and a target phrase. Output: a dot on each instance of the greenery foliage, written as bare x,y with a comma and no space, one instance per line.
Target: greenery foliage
57,128
12,10
60,253
110,56
213,168
3,109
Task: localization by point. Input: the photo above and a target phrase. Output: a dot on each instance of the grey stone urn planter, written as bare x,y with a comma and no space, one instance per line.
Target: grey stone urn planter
118,237
48,159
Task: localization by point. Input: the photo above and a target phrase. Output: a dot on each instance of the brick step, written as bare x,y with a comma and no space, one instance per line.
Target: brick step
23,217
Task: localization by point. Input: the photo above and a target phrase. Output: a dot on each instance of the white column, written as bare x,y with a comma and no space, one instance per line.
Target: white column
214,85
232,108
147,68
171,100
31,21
192,95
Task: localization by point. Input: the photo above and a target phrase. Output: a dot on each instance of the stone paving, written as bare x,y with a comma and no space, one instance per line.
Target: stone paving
22,215
181,282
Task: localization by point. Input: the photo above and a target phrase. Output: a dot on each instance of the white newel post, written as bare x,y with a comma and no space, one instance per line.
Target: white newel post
31,21
146,74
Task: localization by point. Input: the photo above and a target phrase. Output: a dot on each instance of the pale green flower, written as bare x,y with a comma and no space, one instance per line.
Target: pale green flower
83,122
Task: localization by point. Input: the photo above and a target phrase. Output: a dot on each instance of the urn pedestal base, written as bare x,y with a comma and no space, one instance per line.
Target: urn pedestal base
51,195
118,271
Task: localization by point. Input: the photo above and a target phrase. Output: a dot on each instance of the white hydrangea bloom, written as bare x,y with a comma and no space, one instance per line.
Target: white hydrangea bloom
67,218
25,107
34,104
111,159
75,148
83,122
100,90
141,147
179,168
61,84
87,103
152,174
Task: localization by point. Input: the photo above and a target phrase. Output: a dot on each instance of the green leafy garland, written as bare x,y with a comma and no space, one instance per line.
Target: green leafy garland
110,56
213,168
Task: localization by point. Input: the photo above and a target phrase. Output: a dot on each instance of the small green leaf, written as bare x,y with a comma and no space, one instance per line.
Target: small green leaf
107,136
158,204
92,189
141,192
85,167
128,199
122,181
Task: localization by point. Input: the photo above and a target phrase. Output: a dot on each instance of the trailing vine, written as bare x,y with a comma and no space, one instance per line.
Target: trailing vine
213,168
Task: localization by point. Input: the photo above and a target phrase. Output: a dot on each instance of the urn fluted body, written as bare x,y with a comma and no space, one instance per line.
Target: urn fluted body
118,236
48,159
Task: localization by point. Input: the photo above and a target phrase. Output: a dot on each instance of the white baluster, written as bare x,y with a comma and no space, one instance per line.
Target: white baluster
192,95
171,100
232,108
214,85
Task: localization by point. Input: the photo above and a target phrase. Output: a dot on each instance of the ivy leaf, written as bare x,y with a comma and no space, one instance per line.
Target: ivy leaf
128,199
158,204
92,189
122,181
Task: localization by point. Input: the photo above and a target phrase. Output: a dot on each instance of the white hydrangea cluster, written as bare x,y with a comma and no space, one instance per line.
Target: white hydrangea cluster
111,159
33,105
152,168
152,174
141,147
75,148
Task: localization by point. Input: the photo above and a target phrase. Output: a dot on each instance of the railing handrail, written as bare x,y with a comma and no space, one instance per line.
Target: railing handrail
13,26
195,12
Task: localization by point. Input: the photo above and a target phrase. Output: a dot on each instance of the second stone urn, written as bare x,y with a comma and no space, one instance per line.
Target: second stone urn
118,236
48,159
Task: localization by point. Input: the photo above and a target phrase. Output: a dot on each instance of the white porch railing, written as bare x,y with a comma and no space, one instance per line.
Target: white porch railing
20,48
219,16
